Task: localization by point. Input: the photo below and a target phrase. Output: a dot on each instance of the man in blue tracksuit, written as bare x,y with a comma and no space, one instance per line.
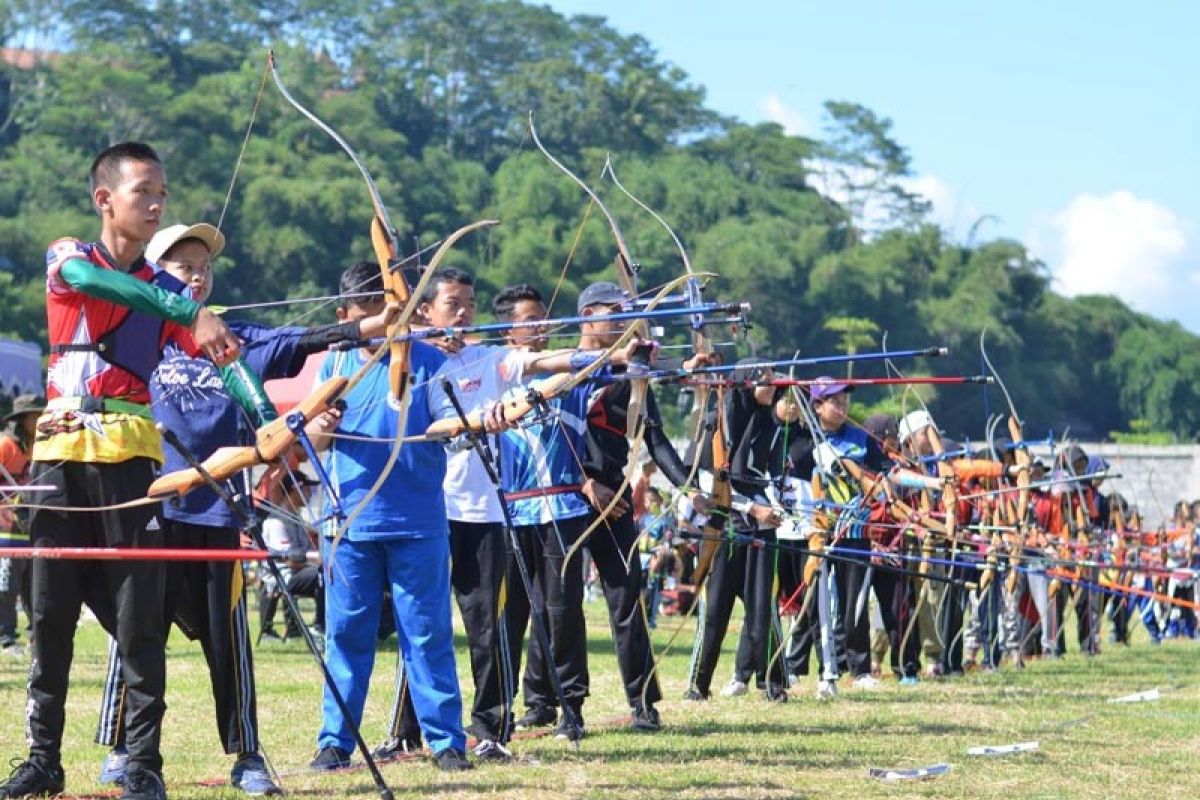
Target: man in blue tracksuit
400,541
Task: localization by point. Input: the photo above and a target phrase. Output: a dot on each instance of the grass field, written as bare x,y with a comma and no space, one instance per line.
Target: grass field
726,748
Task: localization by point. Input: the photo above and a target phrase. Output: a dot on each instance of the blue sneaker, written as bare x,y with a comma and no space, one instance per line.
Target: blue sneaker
250,774
112,769
910,680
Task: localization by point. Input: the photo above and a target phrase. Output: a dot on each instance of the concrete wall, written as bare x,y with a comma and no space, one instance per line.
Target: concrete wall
1153,477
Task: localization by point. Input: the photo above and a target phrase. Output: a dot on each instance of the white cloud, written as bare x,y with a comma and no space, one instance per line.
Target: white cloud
793,122
950,210
1123,245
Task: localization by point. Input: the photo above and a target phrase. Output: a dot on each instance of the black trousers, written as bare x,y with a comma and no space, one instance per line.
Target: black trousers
207,600
761,632
897,598
304,582
804,630
543,548
725,584
479,553
126,596
1088,604
623,584
14,583
850,572
950,620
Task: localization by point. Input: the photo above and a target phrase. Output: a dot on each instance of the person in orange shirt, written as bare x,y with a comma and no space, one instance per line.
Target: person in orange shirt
15,443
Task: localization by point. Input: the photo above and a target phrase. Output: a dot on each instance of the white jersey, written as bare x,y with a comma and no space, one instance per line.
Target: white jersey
480,375
796,502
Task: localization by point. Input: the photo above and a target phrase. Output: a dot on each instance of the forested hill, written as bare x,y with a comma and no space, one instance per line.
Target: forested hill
435,95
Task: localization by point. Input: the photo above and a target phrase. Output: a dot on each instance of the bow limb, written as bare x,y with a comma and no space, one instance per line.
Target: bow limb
405,396
383,241
1017,516
627,271
700,341
701,345
396,289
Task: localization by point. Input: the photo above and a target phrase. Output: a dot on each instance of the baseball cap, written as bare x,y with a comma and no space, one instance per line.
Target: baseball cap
604,293
880,426
825,386
914,421
168,237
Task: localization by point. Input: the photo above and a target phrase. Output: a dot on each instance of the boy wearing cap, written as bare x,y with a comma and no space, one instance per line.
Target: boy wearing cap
831,405
15,443
605,460
208,409
542,470
110,313
939,605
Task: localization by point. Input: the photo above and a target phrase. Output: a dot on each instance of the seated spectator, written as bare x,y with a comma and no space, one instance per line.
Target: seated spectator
286,534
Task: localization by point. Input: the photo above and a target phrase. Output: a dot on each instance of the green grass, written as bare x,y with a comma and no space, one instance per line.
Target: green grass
726,748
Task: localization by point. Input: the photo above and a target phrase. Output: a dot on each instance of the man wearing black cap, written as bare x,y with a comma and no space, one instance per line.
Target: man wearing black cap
604,462
15,442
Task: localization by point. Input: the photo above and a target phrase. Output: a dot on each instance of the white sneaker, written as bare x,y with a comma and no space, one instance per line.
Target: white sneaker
826,691
866,682
734,688
491,750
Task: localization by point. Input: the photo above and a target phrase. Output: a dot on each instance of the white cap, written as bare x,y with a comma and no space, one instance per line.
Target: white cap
913,421
167,238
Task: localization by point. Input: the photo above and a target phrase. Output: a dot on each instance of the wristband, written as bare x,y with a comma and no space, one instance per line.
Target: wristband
582,359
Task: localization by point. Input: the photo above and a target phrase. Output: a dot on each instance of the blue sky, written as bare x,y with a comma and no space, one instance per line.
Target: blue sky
1076,124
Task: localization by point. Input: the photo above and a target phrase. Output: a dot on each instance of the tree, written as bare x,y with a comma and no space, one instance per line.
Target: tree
862,167
854,333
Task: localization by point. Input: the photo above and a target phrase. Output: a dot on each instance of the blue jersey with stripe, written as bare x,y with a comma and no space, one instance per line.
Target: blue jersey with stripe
546,453
410,503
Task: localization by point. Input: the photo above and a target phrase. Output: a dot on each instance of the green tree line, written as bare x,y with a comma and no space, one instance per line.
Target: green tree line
435,97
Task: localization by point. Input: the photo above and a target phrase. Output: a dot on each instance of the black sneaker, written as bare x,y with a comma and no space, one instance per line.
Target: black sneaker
645,718
268,635
250,774
570,727
776,694
396,748
330,758
537,717
32,778
142,784
451,760
695,695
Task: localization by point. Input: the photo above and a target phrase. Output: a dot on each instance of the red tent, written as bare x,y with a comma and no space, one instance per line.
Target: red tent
287,392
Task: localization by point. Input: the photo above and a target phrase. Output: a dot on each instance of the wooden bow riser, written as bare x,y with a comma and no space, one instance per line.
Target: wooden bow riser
273,442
